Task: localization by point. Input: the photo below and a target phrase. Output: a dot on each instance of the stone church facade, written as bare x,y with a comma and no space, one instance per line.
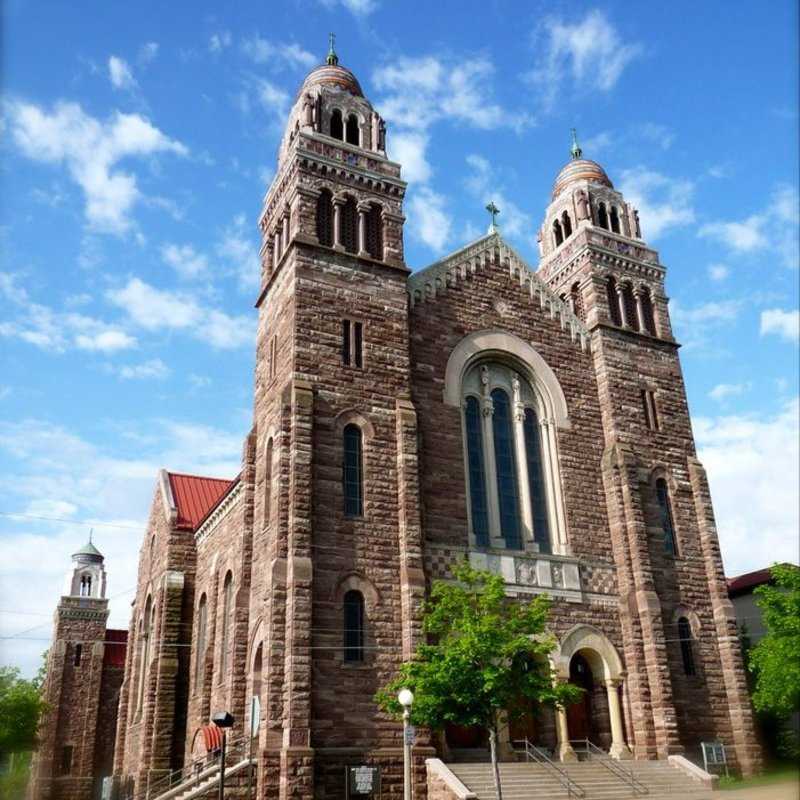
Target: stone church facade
533,421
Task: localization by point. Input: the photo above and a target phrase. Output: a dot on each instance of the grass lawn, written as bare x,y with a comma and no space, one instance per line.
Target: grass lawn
774,774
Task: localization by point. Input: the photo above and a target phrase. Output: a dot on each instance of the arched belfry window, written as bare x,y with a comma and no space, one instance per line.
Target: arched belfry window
337,126
647,311
375,232
631,316
86,586
566,224
348,233
353,626
510,459
602,216
353,471
667,522
558,236
325,218
614,219
576,302
613,301
687,652
352,134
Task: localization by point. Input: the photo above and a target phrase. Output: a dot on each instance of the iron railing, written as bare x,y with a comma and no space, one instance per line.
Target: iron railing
594,753
196,772
533,753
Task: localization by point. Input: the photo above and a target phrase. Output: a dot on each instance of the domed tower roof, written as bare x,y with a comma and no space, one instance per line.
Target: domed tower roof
332,74
579,169
88,550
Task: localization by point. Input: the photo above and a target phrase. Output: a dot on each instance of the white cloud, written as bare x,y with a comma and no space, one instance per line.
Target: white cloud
273,98
409,148
428,220
359,8
147,53
660,135
718,272
239,249
263,51
783,324
91,150
752,462
697,326
52,330
160,309
722,391
772,230
185,260
663,202
220,41
154,368
421,91
590,51
120,74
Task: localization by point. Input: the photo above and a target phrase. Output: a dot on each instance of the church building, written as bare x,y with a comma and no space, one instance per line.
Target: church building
532,419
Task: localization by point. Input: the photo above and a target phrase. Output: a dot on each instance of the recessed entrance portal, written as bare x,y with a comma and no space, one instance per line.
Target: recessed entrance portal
588,718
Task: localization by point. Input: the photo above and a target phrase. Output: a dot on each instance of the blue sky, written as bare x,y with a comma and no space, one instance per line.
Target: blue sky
138,140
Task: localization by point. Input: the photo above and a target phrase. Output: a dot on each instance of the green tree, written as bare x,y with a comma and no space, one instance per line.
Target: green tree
486,654
21,705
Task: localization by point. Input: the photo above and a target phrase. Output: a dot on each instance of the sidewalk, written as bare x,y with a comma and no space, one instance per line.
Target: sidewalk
790,790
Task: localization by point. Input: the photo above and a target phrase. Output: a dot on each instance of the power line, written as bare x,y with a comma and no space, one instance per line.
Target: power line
73,521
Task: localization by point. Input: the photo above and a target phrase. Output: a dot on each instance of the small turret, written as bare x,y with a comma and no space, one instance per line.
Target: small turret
87,577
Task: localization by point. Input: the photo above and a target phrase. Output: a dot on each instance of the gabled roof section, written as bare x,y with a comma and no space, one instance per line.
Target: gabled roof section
743,584
195,497
491,252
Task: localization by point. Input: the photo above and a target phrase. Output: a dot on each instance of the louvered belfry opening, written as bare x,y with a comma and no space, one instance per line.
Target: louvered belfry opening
349,226
325,218
375,232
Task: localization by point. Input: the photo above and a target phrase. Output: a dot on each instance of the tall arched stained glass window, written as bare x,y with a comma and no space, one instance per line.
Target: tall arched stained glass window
353,626
227,599
477,471
352,472
507,492
667,525
533,455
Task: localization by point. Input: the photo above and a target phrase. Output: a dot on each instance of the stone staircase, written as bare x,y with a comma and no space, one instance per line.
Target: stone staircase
531,781
203,783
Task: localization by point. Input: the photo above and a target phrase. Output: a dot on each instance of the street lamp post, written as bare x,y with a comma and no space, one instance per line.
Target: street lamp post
222,720
406,698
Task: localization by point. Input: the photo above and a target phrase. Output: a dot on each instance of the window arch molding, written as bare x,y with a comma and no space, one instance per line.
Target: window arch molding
502,346
351,416
694,619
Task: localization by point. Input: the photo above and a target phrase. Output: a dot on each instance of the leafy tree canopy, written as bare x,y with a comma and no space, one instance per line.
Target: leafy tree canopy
775,660
21,706
489,653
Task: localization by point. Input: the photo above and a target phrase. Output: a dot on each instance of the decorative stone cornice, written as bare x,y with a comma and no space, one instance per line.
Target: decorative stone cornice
216,516
491,251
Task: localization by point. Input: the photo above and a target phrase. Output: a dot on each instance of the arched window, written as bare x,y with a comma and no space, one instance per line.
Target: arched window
557,235
352,471
647,311
353,626
476,470
199,667
144,650
566,223
510,459
614,219
667,524
375,232
268,484
630,306
687,653
348,225
576,302
86,586
602,216
536,485
325,218
227,599
337,127
258,667
352,130
507,490
613,301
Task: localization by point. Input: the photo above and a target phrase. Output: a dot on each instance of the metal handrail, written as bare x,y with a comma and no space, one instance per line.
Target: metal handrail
533,753
196,771
612,765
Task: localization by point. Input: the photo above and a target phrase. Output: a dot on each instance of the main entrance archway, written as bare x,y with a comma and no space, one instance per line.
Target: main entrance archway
587,658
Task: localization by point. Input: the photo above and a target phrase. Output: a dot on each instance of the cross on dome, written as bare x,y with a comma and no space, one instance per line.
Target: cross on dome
332,58
494,211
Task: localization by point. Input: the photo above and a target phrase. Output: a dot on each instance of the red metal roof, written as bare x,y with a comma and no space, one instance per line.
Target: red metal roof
116,646
744,583
196,496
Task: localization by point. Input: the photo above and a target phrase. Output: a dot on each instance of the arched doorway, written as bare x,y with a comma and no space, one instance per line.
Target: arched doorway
587,658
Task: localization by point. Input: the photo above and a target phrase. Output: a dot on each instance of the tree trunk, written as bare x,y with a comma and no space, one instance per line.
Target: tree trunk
495,766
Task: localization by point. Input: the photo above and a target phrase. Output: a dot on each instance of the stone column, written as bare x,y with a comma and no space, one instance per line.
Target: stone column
276,248
637,293
362,230
564,749
337,223
619,749
623,312
285,229
487,412
522,468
